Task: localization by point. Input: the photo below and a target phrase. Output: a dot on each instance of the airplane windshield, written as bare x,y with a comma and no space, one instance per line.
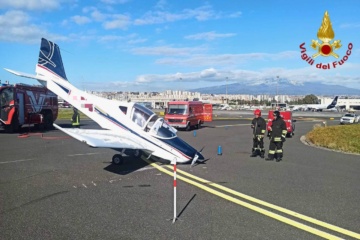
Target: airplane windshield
180,109
161,129
141,114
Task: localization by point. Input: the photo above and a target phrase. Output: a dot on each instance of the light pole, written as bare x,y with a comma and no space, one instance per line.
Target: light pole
277,97
226,89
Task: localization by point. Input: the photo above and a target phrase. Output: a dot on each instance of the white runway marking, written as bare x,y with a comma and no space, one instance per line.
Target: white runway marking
233,125
82,154
21,160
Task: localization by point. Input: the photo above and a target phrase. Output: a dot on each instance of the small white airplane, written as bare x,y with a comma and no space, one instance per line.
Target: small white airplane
321,107
128,127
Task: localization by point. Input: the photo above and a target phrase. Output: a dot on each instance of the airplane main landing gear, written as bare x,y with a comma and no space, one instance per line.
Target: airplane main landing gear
137,153
117,159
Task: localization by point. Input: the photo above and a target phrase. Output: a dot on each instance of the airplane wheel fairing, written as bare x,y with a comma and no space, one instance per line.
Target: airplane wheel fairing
117,159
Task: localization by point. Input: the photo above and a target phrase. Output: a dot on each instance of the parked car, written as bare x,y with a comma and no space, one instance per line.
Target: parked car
349,118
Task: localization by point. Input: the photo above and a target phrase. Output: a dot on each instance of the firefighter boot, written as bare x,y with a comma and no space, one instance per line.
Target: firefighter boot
278,157
254,153
270,157
262,153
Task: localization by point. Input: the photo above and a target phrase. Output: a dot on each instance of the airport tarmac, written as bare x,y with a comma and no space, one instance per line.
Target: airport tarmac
55,187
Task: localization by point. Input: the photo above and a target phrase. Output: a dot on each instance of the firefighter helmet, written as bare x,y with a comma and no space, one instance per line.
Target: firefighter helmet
277,114
257,112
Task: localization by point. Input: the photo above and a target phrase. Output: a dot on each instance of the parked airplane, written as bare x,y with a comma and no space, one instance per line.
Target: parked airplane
128,127
321,107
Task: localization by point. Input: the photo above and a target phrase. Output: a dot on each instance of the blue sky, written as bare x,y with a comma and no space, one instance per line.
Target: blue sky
157,45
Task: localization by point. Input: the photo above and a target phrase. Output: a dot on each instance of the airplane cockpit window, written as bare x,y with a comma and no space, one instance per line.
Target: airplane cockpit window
161,129
180,109
151,122
141,115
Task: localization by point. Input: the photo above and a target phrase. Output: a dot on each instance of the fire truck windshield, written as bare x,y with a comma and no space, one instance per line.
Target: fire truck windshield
180,109
6,95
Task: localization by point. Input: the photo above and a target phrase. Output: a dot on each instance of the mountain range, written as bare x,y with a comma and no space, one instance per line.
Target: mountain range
283,87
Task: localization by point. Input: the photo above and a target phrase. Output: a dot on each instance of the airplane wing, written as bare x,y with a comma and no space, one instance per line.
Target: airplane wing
102,138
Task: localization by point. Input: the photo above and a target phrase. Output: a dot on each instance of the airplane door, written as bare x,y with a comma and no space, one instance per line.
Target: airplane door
21,106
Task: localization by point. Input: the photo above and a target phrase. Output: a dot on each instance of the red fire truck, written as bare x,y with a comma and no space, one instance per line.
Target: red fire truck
287,116
188,114
22,104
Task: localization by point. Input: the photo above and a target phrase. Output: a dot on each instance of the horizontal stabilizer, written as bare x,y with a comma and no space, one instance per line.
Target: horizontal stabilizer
102,138
27,75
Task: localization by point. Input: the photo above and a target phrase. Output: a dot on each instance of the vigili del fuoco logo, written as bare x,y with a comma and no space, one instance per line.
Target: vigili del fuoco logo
326,47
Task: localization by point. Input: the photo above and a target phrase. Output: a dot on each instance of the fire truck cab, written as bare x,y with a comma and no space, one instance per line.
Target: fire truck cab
287,116
22,104
188,114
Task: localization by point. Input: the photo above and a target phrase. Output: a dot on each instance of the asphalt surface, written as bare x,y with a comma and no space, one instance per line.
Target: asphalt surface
55,187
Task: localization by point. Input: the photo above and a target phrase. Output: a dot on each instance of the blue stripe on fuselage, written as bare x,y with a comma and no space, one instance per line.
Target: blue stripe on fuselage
63,88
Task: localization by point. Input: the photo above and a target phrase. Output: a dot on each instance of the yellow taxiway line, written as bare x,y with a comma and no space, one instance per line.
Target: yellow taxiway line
260,202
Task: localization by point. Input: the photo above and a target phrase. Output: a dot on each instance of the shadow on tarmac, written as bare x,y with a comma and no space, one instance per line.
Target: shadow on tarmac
129,165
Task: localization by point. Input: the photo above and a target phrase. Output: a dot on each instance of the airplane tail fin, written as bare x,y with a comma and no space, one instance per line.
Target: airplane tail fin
333,103
50,62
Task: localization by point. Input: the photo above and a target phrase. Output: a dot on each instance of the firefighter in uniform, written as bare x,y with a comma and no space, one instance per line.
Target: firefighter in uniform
258,125
75,120
277,134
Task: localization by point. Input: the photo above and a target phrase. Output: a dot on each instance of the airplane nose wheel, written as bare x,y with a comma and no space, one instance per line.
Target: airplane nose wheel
117,159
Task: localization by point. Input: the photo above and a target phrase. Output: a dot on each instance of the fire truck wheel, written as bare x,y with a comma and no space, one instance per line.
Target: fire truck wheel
198,126
117,159
48,121
188,127
14,126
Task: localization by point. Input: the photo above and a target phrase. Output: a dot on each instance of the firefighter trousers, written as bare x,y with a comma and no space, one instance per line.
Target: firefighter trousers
258,144
275,148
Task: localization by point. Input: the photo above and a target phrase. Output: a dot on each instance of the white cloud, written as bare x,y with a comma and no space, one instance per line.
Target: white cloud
80,20
115,1
110,38
209,36
157,17
30,4
225,59
118,21
15,27
130,39
98,16
160,4
208,73
235,14
165,51
202,13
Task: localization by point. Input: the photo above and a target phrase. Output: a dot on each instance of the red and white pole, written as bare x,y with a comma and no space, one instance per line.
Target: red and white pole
174,219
